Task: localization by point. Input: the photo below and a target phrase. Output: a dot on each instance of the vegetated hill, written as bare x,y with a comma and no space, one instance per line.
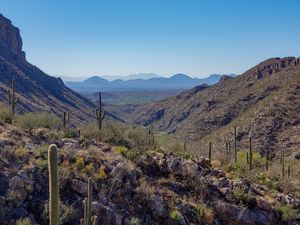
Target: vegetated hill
177,81
264,101
128,186
37,90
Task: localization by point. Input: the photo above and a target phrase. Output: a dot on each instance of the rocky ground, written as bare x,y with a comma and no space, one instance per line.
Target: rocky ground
157,188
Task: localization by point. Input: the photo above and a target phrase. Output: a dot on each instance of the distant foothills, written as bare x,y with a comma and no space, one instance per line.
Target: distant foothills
139,82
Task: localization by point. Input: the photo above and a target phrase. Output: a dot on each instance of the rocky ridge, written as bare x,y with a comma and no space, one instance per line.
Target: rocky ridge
261,101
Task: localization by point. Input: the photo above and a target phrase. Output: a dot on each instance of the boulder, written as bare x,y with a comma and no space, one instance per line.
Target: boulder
79,187
106,215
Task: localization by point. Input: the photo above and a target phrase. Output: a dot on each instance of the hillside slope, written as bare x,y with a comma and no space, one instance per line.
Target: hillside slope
37,90
263,100
157,188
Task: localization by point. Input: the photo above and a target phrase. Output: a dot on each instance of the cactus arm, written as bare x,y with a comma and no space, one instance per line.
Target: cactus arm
95,220
103,115
85,217
53,184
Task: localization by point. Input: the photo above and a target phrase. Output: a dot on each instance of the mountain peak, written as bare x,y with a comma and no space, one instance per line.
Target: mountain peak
180,76
10,40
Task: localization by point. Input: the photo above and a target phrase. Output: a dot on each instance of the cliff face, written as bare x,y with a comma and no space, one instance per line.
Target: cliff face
37,90
10,40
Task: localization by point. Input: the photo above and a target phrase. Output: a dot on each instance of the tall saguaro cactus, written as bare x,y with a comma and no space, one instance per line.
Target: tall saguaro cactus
250,153
235,149
267,160
100,114
12,98
289,169
282,164
209,152
53,185
89,199
151,137
66,119
88,219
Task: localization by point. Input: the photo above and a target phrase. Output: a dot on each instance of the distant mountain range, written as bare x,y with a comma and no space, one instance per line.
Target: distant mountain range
177,81
132,76
112,77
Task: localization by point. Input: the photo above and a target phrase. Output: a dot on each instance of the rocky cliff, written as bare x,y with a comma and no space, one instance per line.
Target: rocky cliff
37,90
10,40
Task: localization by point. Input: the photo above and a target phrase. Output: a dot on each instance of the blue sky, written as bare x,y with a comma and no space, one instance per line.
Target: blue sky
119,37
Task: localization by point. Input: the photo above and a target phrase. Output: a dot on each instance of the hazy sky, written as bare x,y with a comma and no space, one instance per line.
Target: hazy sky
118,37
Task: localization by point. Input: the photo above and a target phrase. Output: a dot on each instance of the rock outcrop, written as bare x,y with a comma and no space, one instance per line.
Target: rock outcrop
10,40
37,90
160,188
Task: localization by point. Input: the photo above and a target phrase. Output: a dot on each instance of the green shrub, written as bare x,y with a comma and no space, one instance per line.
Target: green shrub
139,137
271,181
38,120
132,154
134,221
175,216
288,212
244,198
42,164
201,213
70,134
4,113
122,150
42,151
79,162
115,133
23,221
91,131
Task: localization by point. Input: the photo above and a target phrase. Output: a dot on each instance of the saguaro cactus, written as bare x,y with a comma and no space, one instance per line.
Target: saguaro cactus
267,160
66,119
151,137
250,153
53,185
235,149
89,206
87,203
85,214
12,98
289,169
282,164
100,115
209,152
